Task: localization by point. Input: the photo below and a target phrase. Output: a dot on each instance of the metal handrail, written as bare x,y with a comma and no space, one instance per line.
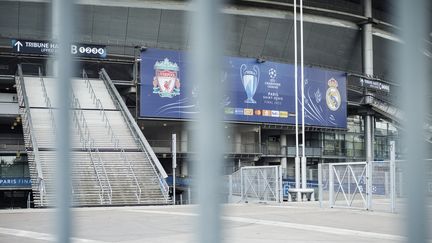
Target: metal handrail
139,138
92,147
113,136
88,143
99,106
50,109
84,141
47,100
29,128
138,190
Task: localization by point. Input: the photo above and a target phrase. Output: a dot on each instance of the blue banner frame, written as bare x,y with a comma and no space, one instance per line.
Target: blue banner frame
255,92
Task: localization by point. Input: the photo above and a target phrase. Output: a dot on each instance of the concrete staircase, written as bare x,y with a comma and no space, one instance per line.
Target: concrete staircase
112,163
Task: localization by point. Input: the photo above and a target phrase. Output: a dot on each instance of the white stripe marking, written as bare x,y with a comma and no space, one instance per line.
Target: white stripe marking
308,227
40,236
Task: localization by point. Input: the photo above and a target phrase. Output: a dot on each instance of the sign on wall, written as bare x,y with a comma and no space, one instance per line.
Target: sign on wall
50,47
377,85
15,182
255,92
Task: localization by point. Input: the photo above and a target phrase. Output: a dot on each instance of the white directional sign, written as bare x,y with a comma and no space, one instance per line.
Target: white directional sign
18,45
49,47
375,85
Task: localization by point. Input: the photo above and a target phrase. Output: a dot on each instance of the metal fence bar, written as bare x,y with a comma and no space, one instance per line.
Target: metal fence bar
280,185
331,186
369,169
63,29
257,183
349,180
392,177
206,54
320,185
413,21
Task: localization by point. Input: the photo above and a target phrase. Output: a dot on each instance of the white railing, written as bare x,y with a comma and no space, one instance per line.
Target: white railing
48,104
88,144
47,101
138,137
114,138
256,183
348,185
138,190
28,129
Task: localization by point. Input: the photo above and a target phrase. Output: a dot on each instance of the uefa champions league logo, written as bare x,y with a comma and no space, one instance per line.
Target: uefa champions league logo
272,73
250,80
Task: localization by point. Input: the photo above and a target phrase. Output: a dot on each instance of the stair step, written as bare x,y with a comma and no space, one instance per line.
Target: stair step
121,175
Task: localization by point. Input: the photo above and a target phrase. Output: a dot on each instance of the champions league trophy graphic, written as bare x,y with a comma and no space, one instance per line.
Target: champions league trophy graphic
250,80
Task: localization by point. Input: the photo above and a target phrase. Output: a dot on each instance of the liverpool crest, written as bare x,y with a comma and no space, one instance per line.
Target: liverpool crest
166,82
333,97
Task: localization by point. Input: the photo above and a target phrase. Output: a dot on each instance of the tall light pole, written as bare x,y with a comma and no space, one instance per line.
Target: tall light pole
174,165
297,158
303,159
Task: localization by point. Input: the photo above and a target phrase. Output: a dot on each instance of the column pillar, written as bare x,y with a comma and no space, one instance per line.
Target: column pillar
237,142
184,140
184,168
283,143
367,40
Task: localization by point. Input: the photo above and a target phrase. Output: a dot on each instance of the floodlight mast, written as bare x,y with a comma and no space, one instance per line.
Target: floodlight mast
297,158
303,159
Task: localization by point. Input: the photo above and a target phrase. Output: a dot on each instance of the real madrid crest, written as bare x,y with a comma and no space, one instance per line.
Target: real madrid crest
166,82
333,97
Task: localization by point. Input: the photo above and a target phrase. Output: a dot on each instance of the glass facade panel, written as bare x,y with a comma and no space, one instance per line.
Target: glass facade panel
350,144
13,166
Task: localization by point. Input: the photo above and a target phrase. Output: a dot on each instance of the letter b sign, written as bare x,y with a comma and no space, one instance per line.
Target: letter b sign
73,49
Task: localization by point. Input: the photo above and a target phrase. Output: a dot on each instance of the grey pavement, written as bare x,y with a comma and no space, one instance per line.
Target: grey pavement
287,222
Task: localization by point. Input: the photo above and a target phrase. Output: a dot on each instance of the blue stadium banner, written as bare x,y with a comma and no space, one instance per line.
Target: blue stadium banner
50,47
15,182
255,92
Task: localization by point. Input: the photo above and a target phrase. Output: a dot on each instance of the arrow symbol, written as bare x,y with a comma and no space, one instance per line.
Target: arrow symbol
18,45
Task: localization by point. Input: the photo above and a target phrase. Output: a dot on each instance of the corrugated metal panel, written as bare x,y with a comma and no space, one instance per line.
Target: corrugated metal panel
254,36
85,22
109,24
279,33
143,26
173,30
35,20
9,18
233,33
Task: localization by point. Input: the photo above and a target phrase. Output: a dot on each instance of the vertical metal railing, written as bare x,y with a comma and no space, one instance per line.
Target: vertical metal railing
261,183
89,145
47,100
48,104
350,180
96,101
126,160
138,137
28,130
101,164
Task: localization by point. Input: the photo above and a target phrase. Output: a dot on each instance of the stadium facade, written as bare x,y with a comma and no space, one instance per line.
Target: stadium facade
348,51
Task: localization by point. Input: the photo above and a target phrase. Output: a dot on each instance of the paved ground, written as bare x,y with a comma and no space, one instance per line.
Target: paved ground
243,223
